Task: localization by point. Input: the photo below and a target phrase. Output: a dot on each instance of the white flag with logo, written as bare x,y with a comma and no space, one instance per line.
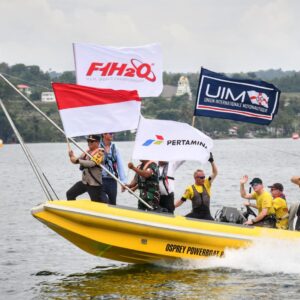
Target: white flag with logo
127,68
170,141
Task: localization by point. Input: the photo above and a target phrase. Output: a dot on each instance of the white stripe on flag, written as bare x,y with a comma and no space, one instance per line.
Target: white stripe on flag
101,118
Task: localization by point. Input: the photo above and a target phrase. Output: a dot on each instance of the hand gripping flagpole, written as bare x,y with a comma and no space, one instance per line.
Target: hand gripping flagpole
72,140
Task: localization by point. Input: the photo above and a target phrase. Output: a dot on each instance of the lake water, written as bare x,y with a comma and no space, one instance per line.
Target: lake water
36,263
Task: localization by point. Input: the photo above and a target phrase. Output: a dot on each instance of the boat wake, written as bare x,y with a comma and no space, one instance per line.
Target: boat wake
271,256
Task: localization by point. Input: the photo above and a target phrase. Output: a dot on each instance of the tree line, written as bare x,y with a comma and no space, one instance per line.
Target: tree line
34,128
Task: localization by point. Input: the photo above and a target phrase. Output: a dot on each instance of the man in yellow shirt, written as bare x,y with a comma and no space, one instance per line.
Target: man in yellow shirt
280,206
264,203
199,193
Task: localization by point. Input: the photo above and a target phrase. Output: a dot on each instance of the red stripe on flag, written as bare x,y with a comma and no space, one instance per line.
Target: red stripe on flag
231,111
74,95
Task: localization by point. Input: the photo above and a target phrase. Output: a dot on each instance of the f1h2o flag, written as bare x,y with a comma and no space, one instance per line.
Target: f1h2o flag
135,68
170,141
87,110
250,101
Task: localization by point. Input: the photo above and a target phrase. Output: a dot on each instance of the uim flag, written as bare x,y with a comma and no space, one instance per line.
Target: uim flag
87,110
127,68
170,141
220,96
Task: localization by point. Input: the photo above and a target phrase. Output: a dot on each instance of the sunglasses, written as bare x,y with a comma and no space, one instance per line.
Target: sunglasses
200,177
91,141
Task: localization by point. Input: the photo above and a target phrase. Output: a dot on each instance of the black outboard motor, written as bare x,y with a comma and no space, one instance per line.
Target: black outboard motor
230,215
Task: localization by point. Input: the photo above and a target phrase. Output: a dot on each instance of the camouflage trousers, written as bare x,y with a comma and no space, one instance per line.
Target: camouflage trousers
151,197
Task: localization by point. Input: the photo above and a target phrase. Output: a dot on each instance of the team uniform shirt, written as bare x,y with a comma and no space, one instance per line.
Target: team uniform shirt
91,173
264,200
281,210
189,193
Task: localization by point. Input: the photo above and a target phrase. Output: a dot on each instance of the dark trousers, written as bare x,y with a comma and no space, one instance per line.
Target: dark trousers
167,202
200,214
110,190
95,192
268,221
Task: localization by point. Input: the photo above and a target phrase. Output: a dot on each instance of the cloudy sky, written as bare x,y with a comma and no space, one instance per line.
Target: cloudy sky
221,35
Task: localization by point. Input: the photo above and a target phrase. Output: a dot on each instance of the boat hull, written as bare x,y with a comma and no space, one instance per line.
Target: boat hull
135,236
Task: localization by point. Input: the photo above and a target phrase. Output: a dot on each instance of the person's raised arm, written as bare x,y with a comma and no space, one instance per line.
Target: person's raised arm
213,167
243,193
144,173
296,180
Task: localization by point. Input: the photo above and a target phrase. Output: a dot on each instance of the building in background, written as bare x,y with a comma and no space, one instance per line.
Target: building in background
25,89
184,87
47,97
233,131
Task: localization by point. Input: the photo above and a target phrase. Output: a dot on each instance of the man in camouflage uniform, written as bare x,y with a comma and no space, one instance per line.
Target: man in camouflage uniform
146,180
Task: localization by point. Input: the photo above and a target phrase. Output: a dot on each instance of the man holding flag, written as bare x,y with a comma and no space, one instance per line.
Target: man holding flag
91,172
199,193
146,180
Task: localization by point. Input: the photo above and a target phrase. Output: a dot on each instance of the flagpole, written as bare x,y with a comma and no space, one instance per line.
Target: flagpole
26,152
197,96
193,121
135,135
72,140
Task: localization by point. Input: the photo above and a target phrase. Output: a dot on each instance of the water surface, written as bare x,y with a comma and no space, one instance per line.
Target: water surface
36,263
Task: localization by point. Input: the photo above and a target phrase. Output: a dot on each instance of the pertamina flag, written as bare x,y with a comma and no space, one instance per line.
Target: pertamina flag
125,68
87,110
170,141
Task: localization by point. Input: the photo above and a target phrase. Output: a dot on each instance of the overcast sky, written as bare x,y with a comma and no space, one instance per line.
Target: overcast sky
221,35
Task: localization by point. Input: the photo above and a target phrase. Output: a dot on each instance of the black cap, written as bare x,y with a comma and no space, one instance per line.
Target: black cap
256,181
93,137
277,186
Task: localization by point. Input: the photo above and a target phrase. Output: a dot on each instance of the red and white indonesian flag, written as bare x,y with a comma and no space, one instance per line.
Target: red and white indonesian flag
87,110
134,68
170,141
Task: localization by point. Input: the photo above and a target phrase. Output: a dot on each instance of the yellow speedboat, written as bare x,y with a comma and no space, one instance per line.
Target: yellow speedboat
130,235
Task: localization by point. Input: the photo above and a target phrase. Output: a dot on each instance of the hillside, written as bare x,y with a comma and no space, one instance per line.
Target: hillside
35,129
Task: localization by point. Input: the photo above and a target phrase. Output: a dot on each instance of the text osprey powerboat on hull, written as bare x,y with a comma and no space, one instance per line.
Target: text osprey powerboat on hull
134,236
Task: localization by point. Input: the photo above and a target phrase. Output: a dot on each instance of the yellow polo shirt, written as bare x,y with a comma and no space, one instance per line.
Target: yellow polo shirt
189,193
264,200
281,210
